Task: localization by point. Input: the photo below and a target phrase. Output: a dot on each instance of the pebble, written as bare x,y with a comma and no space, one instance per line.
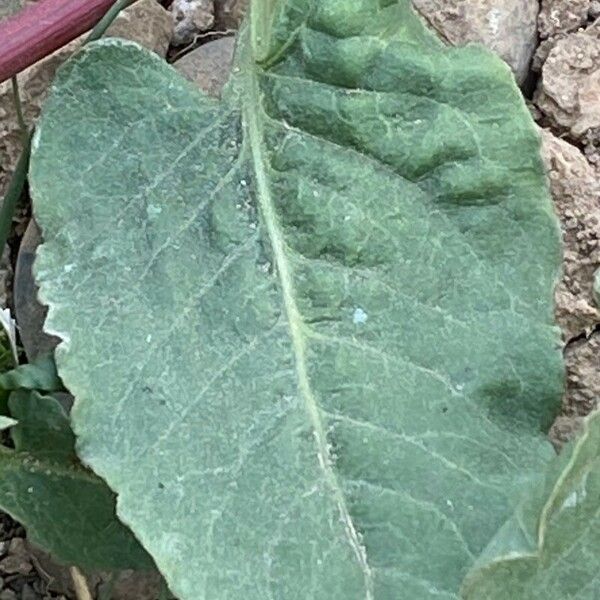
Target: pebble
15,564
209,65
27,593
191,18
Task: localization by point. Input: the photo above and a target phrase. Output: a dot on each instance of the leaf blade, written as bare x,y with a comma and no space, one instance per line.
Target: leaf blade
425,297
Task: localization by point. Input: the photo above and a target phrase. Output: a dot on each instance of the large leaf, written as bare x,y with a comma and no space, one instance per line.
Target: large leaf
309,328
67,510
550,549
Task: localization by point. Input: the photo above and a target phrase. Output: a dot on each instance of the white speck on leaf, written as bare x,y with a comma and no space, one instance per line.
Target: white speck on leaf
359,317
153,210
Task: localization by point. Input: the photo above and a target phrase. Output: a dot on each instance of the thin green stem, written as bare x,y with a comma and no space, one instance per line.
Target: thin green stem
19,109
15,189
106,21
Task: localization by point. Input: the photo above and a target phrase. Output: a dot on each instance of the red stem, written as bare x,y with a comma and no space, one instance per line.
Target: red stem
44,27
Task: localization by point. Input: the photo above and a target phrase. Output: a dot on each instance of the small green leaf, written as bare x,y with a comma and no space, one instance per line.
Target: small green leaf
309,328
40,375
550,549
67,510
43,428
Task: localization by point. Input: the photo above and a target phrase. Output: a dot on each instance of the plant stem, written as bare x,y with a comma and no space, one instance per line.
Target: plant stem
19,109
15,189
106,21
42,28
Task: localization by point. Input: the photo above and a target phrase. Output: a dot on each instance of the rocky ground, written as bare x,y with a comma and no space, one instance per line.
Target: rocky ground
553,48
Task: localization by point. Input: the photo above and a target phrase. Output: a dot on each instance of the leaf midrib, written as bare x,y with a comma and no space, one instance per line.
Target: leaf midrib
252,108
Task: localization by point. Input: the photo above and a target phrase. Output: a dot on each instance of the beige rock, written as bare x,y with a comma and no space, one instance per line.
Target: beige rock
562,16
509,28
146,22
583,376
569,89
229,13
576,193
209,65
191,18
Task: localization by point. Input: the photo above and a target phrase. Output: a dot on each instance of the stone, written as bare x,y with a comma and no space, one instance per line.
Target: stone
13,564
130,585
18,547
209,65
191,18
562,16
576,193
575,190
28,593
229,13
583,373
508,28
145,22
8,595
568,92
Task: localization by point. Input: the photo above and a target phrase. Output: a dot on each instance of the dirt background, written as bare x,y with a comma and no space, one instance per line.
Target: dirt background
553,48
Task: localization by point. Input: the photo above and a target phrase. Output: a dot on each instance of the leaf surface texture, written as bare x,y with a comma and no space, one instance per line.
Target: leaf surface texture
308,327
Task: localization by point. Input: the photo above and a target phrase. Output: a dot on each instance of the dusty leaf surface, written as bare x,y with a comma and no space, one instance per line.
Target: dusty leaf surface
311,343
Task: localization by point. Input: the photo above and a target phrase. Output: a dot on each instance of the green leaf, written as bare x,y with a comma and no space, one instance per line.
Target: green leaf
43,428
39,375
309,327
549,549
66,509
